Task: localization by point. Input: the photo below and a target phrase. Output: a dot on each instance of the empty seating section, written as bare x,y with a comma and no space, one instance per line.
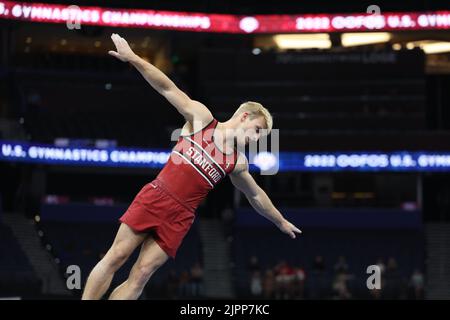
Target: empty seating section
313,92
80,108
318,91
68,62
84,243
17,277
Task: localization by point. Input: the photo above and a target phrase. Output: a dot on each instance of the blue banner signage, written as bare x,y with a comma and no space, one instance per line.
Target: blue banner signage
285,161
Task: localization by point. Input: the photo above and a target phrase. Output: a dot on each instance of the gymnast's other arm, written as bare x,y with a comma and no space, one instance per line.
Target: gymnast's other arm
242,180
190,109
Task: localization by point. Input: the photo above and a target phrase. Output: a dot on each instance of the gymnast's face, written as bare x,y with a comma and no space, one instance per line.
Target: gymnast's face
249,129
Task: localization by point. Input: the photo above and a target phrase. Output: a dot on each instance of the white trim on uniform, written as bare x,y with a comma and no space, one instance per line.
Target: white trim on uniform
209,156
188,161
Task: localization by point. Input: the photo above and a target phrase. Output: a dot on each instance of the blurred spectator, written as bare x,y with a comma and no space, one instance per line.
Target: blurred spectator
269,285
197,280
256,286
376,293
288,282
392,265
319,284
340,289
392,287
381,265
341,265
417,284
284,279
299,283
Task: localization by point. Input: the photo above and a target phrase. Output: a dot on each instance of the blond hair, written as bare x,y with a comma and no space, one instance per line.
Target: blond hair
256,109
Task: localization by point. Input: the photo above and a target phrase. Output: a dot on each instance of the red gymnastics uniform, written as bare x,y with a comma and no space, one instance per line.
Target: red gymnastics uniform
166,206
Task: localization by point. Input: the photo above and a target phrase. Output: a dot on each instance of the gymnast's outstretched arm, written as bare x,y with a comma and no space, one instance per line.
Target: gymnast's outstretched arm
191,110
242,180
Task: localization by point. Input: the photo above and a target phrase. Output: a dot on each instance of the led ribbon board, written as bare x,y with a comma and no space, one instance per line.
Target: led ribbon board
109,157
286,161
203,22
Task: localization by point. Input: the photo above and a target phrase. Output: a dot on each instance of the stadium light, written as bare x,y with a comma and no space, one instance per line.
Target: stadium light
303,41
431,47
397,46
364,38
410,45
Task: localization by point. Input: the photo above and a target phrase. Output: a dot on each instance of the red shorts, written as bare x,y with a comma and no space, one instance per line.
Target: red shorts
156,211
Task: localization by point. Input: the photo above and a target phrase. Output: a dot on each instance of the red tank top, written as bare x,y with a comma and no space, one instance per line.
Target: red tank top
196,166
